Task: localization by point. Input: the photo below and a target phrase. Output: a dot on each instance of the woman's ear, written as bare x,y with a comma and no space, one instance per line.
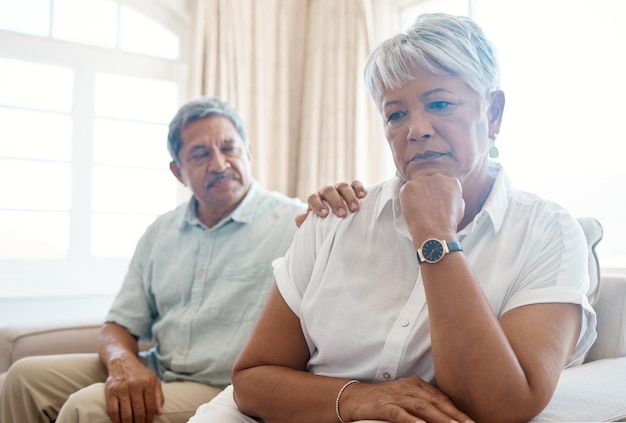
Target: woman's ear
496,109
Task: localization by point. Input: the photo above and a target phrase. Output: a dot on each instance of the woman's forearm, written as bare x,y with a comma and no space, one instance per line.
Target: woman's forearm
480,360
279,394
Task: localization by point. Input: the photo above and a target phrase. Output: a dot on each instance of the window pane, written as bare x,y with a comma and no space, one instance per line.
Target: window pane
34,235
129,190
27,16
34,185
35,135
35,85
115,235
140,34
92,22
130,143
150,100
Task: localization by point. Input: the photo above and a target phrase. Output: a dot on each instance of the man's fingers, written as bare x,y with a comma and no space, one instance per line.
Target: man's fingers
149,404
300,219
339,198
126,409
114,408
335,197
316,203
160,399
359,189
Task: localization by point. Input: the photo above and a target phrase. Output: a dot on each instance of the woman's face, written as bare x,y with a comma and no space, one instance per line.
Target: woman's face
438,124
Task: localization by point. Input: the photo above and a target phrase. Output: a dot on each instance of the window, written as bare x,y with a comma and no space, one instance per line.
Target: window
87,88
563,73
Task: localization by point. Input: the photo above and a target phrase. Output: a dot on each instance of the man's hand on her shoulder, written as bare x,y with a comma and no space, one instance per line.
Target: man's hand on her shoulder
340,198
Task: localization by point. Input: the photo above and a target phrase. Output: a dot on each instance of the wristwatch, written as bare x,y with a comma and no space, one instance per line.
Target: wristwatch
433,250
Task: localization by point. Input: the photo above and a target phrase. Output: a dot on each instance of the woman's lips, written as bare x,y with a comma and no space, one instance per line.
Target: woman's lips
427,156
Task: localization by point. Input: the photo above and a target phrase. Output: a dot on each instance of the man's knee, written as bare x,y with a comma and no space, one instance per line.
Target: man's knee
25,372
85,405
28,393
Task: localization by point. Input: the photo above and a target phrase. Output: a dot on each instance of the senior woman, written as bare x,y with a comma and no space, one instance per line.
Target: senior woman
449,296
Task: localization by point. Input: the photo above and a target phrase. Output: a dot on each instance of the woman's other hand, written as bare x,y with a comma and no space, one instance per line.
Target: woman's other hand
407,400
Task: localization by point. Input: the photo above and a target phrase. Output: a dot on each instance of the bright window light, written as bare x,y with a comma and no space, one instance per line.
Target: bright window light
33,235
35,135
131,190
36,85
34,185
140,34
92,22
411,11
83,153
124,97
26,16
127,143
115,235
562,125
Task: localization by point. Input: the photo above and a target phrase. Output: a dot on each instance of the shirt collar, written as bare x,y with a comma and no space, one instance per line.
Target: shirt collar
497,202
389,195
243,213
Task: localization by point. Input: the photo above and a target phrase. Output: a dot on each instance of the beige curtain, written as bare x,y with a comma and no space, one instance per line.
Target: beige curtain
293,68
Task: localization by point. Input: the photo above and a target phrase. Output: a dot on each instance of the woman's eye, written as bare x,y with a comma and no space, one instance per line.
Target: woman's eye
395,116
438,105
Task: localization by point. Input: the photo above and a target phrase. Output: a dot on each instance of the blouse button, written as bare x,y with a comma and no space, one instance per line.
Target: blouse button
386,375
404,323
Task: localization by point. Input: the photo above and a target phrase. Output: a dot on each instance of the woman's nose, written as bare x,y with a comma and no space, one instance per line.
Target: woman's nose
420,128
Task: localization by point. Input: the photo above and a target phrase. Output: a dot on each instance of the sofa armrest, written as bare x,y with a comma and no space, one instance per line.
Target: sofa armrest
21,341
611,310
592,392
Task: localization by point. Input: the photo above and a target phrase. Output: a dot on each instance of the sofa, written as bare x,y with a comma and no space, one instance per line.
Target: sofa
592,391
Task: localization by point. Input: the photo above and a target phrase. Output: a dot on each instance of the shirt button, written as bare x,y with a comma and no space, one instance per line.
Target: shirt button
200,272
404,323
208,235
180,351
386,375
190,312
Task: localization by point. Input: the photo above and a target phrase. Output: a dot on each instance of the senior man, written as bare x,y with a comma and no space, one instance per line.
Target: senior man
196,283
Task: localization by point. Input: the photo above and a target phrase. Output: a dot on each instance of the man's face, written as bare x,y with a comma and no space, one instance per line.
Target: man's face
214,164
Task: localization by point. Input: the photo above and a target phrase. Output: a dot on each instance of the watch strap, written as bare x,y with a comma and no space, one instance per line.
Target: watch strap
453,246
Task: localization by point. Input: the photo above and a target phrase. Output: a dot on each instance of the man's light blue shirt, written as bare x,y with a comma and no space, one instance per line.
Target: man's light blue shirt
198,291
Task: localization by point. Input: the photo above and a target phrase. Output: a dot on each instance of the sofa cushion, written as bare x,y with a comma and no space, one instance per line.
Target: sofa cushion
17,342
611,311
593,232
592,392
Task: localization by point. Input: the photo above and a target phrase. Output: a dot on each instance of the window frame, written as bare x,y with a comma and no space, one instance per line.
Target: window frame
80,273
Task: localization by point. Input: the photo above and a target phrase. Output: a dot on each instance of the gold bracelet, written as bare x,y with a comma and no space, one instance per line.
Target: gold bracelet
343,388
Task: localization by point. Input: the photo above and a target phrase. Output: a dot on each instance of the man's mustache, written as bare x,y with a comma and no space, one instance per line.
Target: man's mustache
219,176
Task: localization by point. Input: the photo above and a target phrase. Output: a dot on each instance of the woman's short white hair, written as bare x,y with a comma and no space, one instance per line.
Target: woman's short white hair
438,43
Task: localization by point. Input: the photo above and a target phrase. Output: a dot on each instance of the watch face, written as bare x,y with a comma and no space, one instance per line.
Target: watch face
432,250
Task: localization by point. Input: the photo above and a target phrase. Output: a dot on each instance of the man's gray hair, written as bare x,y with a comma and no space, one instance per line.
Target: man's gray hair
197,109
438,43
